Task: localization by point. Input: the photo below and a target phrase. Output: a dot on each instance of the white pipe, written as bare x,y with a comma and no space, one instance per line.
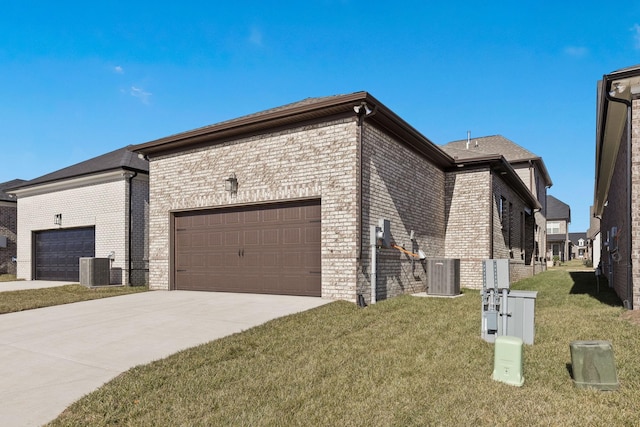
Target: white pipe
505,312
373,239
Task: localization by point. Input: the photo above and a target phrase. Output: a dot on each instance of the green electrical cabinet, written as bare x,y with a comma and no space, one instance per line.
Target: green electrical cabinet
593,365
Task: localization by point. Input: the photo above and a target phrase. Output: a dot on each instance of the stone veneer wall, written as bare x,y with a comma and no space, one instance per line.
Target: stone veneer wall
101,205
316,161
405,188
8,229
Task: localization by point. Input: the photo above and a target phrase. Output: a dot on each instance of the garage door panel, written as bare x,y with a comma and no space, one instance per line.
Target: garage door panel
291,236
57,253
251,237
262,250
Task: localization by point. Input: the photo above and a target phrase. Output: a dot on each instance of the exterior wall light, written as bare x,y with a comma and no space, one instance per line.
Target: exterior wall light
231,184
57,219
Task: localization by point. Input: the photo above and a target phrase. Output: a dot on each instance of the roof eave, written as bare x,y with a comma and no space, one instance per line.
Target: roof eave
500,165
337,106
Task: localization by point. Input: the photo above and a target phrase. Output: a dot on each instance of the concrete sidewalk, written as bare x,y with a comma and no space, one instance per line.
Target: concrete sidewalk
31,284
53,356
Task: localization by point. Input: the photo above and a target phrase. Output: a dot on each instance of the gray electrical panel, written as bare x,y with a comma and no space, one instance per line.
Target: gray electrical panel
522,313
505,312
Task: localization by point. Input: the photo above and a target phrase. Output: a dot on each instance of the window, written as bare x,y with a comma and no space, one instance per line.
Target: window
553,227
502,208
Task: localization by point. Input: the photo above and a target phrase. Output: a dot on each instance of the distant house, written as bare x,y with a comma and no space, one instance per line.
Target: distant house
579,246
283,201
617,181
531,170
8,227
96,208
558,219
595,241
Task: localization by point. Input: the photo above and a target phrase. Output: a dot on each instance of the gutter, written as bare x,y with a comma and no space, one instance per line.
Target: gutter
607,87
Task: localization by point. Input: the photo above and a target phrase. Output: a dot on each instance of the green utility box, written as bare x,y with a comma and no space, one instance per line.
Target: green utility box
507,364
593,365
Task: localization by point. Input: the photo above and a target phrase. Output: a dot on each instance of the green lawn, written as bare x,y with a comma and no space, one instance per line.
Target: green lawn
26,299
405,361
7,277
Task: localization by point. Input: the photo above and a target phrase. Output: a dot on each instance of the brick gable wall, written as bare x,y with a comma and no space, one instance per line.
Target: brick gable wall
8,228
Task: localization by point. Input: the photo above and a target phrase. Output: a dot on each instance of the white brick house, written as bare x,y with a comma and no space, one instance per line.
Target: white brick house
282,201
97,208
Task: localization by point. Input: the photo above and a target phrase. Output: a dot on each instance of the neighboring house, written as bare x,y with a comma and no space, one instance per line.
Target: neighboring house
96,208
282,201
558,219
531,170
617,181
593,234
579,246
8,227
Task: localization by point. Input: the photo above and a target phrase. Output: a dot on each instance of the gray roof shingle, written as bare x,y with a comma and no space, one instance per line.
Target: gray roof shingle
495,144
4,196
557,210
122,158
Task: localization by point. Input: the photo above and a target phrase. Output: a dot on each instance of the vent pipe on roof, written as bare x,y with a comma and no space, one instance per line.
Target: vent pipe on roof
468,138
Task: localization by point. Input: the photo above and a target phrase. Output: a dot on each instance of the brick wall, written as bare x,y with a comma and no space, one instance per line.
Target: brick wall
317,161
468,221
615,262
102,205
510,233
405,188
476,231
8,228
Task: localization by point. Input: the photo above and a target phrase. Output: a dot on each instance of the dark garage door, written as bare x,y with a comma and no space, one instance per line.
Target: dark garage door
272,250
57,252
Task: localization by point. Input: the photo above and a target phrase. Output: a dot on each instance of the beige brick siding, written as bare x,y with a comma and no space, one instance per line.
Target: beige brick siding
468,219
317,161
8,228
615,263
405,188
473,200
102,205
509,234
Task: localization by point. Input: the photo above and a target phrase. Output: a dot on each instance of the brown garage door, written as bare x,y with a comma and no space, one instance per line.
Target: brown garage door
266,249
57,252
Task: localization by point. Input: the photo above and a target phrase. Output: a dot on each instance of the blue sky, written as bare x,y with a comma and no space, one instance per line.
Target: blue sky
77,81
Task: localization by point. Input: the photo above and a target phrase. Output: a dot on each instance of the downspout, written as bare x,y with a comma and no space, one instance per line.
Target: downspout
130,243
491,203
629,302
362,111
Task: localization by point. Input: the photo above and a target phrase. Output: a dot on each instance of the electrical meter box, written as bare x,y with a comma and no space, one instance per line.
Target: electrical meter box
385,229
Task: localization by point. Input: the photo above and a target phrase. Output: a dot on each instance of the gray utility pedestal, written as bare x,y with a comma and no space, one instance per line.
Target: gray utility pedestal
521,306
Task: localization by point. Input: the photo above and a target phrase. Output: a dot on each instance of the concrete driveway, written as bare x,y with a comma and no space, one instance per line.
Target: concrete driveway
50,357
